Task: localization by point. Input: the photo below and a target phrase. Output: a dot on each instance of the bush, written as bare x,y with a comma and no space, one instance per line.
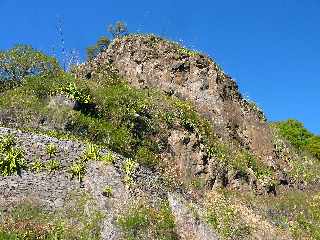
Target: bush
22,61
299,137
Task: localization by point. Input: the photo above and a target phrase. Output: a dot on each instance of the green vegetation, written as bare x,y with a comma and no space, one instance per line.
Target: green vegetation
107,191
78,169
51,149
224,217
11,158
241,162
294,211
27,221
146,222
37,166
107,158
188,52
299,137
129,168
92,153
79,95
52,165
22,61
100,46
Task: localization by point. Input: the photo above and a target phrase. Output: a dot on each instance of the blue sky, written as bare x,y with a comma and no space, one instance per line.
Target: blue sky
271,48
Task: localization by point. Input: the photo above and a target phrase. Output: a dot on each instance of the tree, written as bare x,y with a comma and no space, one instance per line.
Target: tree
23,60
101,45
119,29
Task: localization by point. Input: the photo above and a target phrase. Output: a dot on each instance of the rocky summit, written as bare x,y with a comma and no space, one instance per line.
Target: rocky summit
149,140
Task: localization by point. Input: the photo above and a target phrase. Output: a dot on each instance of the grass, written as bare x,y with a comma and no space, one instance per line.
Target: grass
146,222
295,211
27,221
224,218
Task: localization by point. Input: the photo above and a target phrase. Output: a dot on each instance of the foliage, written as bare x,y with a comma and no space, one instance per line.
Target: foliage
27,221
129,168
107,158
80,95
313,146
225,218
92,152
22,61
100,46
299,136
295,211
11,158
78,169
146,222
145,157
51,149
294,132
242,162
37,166
52,165
187,52
107,191
118,29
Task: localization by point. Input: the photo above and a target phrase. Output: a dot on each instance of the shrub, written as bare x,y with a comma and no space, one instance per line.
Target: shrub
225,218
107,158
28,221
294,132
313,146
299,137
79,95
92,152
145,157
23,60
129,168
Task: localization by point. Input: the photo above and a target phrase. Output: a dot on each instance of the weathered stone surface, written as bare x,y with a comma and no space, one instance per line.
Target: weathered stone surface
189,227
98,177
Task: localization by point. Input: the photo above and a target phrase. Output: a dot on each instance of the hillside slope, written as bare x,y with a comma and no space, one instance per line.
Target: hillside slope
149,140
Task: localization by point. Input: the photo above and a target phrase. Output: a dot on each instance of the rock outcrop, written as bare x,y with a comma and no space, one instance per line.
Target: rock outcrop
151,62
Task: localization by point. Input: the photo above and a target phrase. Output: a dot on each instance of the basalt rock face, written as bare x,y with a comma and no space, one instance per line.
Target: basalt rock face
151,62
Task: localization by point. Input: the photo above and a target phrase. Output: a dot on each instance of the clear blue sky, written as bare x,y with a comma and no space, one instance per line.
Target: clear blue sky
271,48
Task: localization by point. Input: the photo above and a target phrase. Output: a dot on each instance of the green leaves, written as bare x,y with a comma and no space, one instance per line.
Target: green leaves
23,60
101,45
80,95
11,158
299,136
78,169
